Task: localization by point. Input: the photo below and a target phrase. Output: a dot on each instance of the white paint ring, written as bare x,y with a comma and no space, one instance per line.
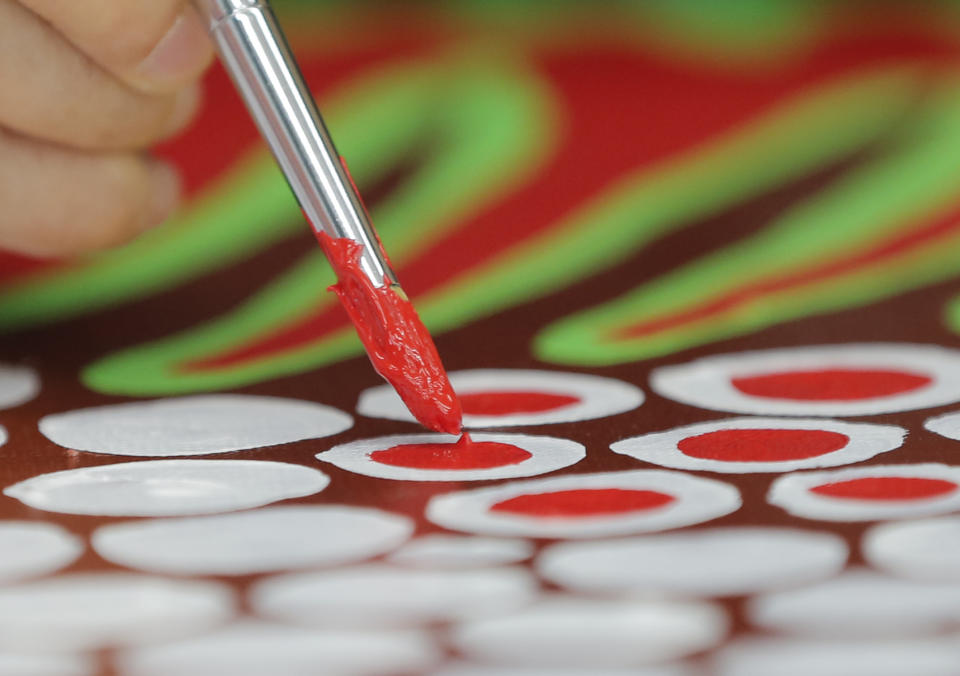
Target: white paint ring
925,549
795,493
546,455
84,612
575,632
262,540
693,500
707,382
18,385
663,448
859,604
598,397
35,548
19,664
467,669
382,596
250,648
195,425
880,657
701,563
461,551
168,487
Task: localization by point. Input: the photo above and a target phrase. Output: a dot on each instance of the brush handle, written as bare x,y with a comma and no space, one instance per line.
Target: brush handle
255,52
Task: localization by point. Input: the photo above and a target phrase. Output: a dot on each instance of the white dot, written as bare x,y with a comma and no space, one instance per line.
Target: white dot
18,385
864,441
688,500
925,549
882,657
717,562
14,664
595,397
545,454
267,539
947,425
461,551
466,669
860,604
92,611
708,382
256,649
168,487
568,632
32,548
3,435
384,596
197,425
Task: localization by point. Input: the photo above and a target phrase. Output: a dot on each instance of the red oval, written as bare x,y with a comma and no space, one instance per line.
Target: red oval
506,403
583,502
762,445
461,455
831,384
886,488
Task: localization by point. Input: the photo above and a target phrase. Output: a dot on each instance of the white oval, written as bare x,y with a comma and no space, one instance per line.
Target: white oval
252,648
98,610
461,551
18,385
706,382
947,425
860,604
377,595
695,500
926,549
262,540
546,455
662,448
793,494
881,657
195,425
714,562
599,397
18,664
168,487
568,632
34,548
467,669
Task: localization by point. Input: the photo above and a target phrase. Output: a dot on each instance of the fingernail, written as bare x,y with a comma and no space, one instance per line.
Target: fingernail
165,196
184,109
181,54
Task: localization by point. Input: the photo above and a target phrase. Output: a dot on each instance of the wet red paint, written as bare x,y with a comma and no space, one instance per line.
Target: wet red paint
395,339
583,502
831,384
507,403
887,488
771,445
464,454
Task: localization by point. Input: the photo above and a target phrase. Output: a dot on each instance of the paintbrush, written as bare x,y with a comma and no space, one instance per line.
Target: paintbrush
258,58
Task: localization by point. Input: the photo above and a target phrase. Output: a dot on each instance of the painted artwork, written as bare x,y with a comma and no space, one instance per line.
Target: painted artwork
695,271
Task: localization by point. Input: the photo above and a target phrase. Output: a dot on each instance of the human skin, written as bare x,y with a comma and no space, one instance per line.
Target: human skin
86,88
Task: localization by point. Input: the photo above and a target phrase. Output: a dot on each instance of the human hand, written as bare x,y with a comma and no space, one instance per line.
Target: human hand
85,87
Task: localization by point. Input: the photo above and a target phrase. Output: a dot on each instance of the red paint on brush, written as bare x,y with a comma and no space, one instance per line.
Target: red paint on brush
831,384
773,445
464,454
507,403
886,488
583,502
396,341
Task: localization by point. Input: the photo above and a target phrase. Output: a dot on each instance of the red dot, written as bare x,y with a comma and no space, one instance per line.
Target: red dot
471,455
762,445
831,384
583,502
506,403
886,488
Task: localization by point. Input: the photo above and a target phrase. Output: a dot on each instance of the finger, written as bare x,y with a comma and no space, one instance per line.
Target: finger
52,91
59,202
156,47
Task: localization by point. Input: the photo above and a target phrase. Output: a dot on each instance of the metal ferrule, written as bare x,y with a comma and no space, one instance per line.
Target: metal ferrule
257,56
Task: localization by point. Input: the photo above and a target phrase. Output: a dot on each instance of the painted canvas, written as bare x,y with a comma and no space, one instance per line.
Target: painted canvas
695,271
